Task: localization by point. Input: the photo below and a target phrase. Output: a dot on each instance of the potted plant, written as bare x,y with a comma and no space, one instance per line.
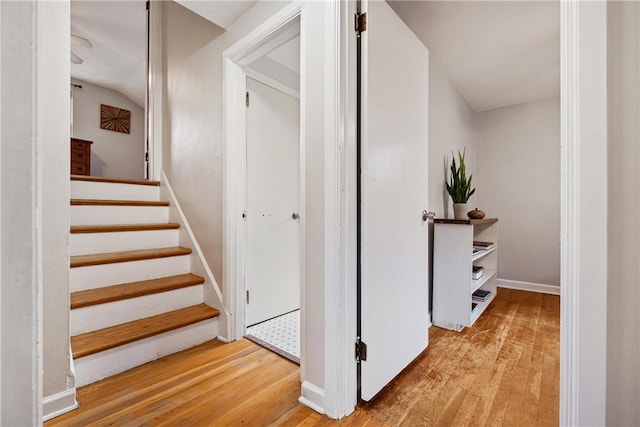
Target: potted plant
459,187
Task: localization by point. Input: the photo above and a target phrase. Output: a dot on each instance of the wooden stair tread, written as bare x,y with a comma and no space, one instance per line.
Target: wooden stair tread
123,291
103,202
114,180
79,229
125,256
114,336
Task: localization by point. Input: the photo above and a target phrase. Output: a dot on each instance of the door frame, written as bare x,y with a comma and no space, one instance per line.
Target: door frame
154,97
327,365
583,215
242,53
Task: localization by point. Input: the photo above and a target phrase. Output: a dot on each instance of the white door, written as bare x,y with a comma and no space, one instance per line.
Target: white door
394,258
273,196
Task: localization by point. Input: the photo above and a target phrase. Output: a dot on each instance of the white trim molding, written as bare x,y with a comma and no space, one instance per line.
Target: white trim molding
272,83
58,404
312,396
583,230
155,88
529,286
340,207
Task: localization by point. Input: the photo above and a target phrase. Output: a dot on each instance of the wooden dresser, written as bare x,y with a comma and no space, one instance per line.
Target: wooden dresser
80,156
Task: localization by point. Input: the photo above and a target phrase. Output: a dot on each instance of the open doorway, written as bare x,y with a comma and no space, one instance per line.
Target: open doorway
109,45
509,125
266,139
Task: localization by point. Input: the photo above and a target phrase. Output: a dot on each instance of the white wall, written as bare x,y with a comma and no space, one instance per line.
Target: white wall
113,154
35,210
21,282
518,165
623,296
53,129
452,128
192,149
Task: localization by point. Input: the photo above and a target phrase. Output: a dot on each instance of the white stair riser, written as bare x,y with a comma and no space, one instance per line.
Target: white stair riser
87,319
97,276
113,191
98,215
96,243
101,365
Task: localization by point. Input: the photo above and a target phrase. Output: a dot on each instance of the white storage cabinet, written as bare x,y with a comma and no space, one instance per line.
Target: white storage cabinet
453,262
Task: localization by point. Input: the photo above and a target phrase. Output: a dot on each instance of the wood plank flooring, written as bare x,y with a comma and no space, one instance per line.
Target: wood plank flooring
504,371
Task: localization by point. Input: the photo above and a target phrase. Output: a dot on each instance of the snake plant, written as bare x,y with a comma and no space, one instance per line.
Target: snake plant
459,187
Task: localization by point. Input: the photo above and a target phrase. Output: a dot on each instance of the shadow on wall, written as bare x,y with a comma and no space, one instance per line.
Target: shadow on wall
97,165
181,23
445,193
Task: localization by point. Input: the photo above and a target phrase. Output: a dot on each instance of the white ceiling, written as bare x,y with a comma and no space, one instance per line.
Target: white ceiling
496,53
223,13
117,60
117,30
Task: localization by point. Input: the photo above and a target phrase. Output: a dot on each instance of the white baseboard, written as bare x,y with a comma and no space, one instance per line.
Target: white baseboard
58,404
313,397
528,286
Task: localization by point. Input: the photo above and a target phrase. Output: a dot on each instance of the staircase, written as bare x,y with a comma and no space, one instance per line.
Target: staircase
133,297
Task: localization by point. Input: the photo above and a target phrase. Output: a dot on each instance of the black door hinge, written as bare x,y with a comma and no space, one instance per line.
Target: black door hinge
148,4
361,350
246,99
247,297
361,22
146,156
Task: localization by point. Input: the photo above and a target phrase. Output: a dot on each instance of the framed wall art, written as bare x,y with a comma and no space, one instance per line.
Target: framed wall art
115,119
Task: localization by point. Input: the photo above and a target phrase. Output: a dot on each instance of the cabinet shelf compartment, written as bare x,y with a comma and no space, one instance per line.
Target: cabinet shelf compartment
480,308
482,253
489,273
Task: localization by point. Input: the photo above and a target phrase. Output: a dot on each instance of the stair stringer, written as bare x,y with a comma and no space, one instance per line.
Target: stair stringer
211,291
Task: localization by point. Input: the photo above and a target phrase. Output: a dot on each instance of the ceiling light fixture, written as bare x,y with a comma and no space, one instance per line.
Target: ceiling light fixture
80,41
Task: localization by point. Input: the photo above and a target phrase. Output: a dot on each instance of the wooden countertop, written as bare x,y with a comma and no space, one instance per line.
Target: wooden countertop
465,221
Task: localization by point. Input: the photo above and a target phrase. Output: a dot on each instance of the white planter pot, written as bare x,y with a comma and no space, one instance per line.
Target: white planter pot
460,210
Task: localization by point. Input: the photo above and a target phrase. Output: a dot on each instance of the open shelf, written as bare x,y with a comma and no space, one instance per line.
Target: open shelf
482,253
487,275
480,308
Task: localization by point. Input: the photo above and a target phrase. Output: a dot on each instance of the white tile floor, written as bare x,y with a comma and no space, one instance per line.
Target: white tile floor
280,334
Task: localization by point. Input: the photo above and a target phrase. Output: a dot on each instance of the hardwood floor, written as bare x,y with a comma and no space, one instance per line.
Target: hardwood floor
503,371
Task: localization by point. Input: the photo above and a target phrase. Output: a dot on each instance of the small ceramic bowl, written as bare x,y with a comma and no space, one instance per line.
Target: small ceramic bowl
475,214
